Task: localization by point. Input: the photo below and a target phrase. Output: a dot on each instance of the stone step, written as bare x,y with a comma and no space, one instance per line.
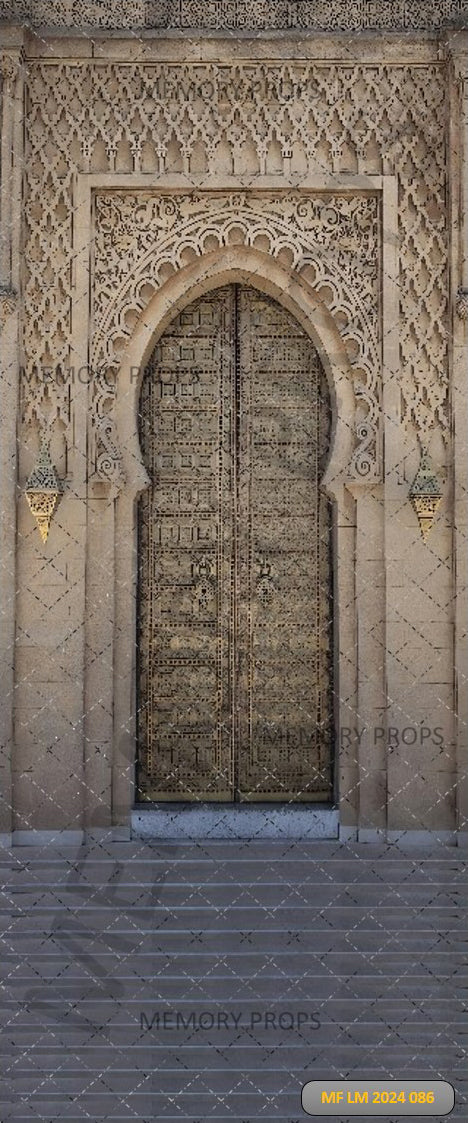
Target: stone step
256,917
168,1082
232,850
120,1029
192,1105
277,987
273,895
281,1111
302,1059
79,940
396,968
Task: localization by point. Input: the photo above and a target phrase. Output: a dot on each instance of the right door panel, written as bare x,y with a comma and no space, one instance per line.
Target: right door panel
283,699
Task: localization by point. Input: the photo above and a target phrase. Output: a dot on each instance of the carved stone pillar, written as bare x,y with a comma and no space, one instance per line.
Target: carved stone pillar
457,48
10,203
370,717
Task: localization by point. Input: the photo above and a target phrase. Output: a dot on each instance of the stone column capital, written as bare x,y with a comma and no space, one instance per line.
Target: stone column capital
10,64
456,51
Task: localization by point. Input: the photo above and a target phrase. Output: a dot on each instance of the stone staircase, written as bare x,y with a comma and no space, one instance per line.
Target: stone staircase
210,980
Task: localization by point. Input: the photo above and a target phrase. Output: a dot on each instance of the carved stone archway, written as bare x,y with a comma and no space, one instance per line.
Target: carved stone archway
295,293
245,266
331,242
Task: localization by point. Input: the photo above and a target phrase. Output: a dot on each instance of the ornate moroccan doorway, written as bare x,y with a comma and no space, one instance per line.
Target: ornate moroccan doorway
235,588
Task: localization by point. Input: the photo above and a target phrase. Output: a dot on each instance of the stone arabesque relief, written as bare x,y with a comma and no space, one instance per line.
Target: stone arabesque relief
246,122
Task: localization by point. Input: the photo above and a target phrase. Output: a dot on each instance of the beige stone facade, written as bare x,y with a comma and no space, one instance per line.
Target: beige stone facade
143,168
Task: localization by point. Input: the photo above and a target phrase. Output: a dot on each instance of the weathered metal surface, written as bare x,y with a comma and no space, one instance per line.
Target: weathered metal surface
235,568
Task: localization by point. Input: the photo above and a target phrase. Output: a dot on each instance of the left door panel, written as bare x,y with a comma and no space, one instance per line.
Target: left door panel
186,557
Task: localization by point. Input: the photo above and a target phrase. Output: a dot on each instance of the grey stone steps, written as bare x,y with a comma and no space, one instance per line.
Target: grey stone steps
209,869
235,1115
231,850
172,1082
232,896
377,952
397,971
388,1056
305,982
191,1106
354,1041
436,1004
285,1058
197,856
220,988
255,917
286,1111
169,941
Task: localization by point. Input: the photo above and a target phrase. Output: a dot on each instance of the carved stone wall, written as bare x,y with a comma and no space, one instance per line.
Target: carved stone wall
153,169
243,123
249,14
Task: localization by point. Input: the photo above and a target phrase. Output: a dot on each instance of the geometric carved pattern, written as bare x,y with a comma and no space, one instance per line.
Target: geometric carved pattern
235,581
333,239
320,15
244,120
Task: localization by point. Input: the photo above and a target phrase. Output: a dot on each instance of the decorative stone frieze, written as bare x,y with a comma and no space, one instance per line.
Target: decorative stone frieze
320,15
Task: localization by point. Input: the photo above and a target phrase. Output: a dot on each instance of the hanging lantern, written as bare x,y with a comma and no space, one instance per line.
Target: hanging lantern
425,494
43,490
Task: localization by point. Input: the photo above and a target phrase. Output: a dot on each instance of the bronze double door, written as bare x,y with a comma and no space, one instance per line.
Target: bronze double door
235,590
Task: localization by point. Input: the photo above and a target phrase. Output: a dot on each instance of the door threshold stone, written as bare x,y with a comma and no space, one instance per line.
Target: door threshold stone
208,820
